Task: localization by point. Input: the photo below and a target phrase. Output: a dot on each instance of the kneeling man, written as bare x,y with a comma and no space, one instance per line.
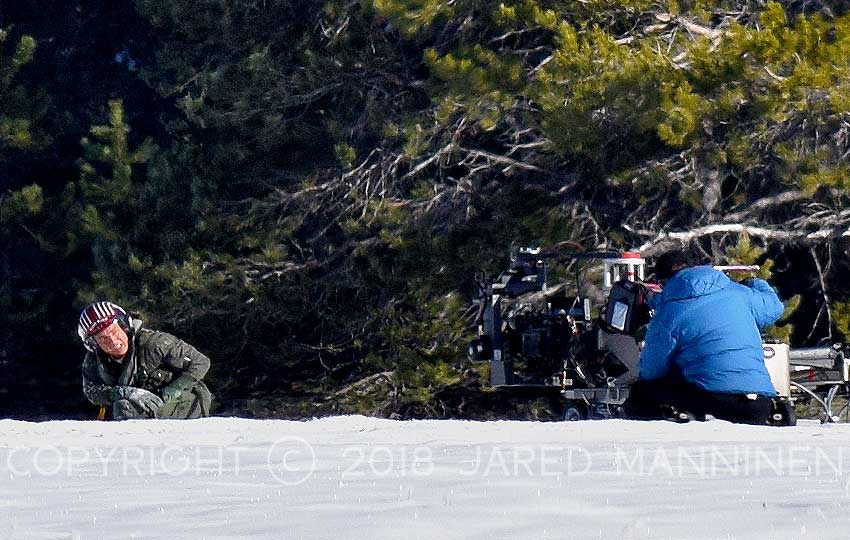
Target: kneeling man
703,350
137,372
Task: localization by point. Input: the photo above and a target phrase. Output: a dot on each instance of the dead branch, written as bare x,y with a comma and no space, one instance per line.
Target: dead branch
500,159
767,203
434,157
666,240
824,295
365,384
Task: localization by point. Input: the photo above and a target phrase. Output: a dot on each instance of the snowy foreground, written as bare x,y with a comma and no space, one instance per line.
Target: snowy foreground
361,478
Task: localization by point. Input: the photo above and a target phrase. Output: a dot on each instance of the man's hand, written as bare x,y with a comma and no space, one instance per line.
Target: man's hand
176,388
170,393
146,401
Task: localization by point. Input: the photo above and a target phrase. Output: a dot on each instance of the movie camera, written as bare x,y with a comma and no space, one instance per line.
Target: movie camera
552,338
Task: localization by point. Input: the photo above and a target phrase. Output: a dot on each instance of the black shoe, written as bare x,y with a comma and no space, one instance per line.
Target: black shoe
672,414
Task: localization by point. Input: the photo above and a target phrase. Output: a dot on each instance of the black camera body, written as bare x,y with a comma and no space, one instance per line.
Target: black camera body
533,335
627,308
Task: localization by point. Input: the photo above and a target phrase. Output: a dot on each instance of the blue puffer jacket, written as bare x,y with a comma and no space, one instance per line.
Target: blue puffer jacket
708,326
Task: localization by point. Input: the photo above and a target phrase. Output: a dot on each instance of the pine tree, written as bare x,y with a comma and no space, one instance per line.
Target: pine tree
745,253
111,206
16,129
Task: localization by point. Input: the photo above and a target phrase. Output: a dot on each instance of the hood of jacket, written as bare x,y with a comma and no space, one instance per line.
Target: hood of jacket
694,282
135,325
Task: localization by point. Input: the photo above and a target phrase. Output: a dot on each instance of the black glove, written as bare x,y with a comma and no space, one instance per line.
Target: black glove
144,400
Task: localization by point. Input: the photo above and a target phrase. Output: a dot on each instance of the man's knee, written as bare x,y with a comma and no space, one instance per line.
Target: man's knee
188,406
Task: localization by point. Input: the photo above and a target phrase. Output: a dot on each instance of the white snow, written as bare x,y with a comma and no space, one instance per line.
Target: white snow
361,478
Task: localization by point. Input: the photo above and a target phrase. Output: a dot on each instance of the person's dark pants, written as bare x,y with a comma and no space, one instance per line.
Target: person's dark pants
191,404
658,398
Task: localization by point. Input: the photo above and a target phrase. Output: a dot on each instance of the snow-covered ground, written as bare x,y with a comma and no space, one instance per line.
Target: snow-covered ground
361,478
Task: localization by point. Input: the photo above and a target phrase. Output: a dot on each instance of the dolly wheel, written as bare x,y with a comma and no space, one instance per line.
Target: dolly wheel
782,413
573,413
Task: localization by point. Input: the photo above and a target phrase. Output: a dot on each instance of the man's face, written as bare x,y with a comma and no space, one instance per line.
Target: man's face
113,340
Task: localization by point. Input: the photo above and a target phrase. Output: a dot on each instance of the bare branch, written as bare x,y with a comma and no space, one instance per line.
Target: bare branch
663,241
500,159
824,296
436,156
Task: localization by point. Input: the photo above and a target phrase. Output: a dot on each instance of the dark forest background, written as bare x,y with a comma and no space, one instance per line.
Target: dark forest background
305,190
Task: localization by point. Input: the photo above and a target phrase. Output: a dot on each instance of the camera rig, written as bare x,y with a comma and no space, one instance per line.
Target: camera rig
537,336
534,335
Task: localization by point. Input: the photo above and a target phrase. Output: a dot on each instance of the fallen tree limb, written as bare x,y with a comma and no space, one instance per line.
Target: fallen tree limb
365,383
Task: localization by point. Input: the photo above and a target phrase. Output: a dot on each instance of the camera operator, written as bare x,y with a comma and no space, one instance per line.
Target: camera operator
703,350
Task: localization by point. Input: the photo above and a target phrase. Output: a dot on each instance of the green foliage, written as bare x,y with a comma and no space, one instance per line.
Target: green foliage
413,16
345,155
15,123
110,209
188,277
680,107
415,140
26,201
489,82
841,318
745,253
108,146
830,176
422,345
596,91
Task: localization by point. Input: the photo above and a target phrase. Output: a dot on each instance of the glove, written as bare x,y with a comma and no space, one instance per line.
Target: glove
176,388
170,393
144,400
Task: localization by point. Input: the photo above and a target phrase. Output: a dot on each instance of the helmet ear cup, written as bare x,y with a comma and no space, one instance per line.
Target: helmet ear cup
90,345
88,342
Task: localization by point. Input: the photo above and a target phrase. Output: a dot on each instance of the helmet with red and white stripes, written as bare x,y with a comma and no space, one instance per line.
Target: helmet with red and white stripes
96,317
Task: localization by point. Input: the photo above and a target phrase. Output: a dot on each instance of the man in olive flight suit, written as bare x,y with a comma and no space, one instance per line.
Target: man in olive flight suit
137,372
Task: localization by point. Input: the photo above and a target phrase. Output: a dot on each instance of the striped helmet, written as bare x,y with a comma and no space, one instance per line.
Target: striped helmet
96,317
